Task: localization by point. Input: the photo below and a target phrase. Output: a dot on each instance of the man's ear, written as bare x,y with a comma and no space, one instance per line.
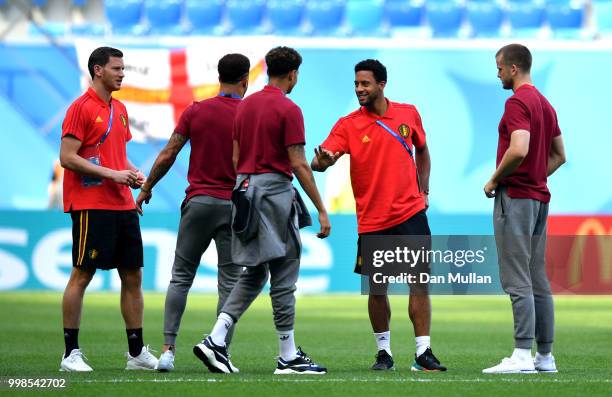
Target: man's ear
98,70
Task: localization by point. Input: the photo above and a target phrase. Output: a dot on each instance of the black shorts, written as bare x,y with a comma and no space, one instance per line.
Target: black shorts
416,225
105,239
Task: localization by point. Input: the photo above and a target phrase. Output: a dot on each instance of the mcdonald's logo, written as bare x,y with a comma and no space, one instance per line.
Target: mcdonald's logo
591,229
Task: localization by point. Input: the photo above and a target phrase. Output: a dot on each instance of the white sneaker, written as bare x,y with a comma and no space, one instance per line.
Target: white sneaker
545,363
512,366
166,361
74,362
145,360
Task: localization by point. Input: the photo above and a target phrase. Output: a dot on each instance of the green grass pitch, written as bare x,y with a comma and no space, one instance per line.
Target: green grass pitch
468,334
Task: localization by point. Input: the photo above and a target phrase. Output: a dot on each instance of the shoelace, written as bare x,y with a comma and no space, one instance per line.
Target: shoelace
80,353
303,354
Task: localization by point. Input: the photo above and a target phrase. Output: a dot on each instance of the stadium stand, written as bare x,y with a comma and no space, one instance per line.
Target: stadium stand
125,17
526,17
286,17
365,18
485,17
324,17
405,18
165,17
245,16
205,17
445,17
565,17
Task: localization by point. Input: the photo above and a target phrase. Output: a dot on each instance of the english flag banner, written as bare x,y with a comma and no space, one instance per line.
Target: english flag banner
160,83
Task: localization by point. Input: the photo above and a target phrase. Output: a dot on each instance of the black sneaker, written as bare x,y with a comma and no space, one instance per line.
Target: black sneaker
302,365
216,358
384,361
427,362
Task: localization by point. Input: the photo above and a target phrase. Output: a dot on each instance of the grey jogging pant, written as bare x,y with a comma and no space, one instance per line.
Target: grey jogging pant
520,235
283,273
203,218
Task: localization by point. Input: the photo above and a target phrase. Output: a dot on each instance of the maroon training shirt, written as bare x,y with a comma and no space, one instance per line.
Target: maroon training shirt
266,123
208,125
528,110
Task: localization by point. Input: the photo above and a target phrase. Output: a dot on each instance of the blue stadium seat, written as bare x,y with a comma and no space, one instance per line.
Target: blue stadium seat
403,13
602,14
444,17
365,17
565,17
325,16
526,17
79,3
205,16
165,16
485,17
286,16
39,3
125,16
245,16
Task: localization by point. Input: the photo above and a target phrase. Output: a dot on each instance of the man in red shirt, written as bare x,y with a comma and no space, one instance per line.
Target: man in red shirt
206,212
530,149
268,150
105,226
390,189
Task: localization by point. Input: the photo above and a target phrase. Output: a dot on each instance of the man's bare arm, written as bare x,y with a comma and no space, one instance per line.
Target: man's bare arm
70,160
303,173
164,160
556,157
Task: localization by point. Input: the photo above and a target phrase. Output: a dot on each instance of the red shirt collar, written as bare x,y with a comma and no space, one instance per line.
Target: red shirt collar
526,85
93,94
273,90
389,113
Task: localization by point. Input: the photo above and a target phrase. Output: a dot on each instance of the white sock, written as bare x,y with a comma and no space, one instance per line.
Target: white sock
222,326
286,345
383,341
422,343
545,356
521,354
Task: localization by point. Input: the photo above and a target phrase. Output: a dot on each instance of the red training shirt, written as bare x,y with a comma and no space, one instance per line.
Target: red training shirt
266,123
383,175
208,125
529,110
87,120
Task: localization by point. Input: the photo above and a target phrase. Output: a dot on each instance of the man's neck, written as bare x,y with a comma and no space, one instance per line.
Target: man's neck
102,92
518,83
281,84
230,89
379,107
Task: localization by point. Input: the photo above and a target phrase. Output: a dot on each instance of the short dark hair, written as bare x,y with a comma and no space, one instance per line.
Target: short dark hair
373,65
282,60
516,54
100,56
233,68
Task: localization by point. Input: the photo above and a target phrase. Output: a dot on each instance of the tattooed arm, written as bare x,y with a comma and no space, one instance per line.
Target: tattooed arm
162,164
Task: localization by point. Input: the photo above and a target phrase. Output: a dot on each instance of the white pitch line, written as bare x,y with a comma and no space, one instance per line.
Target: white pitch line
319,379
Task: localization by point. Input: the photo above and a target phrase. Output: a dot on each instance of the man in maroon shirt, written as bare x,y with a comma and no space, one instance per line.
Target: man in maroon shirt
206,210
530,149
268,149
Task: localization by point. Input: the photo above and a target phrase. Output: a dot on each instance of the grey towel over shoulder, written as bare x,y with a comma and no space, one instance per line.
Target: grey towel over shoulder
273,223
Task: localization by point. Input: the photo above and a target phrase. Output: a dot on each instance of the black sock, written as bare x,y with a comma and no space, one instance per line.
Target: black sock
71,340
135,342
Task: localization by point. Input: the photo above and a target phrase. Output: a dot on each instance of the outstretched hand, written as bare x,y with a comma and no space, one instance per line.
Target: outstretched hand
325,157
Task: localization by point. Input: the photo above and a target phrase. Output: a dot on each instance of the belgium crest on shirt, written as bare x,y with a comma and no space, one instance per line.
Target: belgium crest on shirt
404,130
123,120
